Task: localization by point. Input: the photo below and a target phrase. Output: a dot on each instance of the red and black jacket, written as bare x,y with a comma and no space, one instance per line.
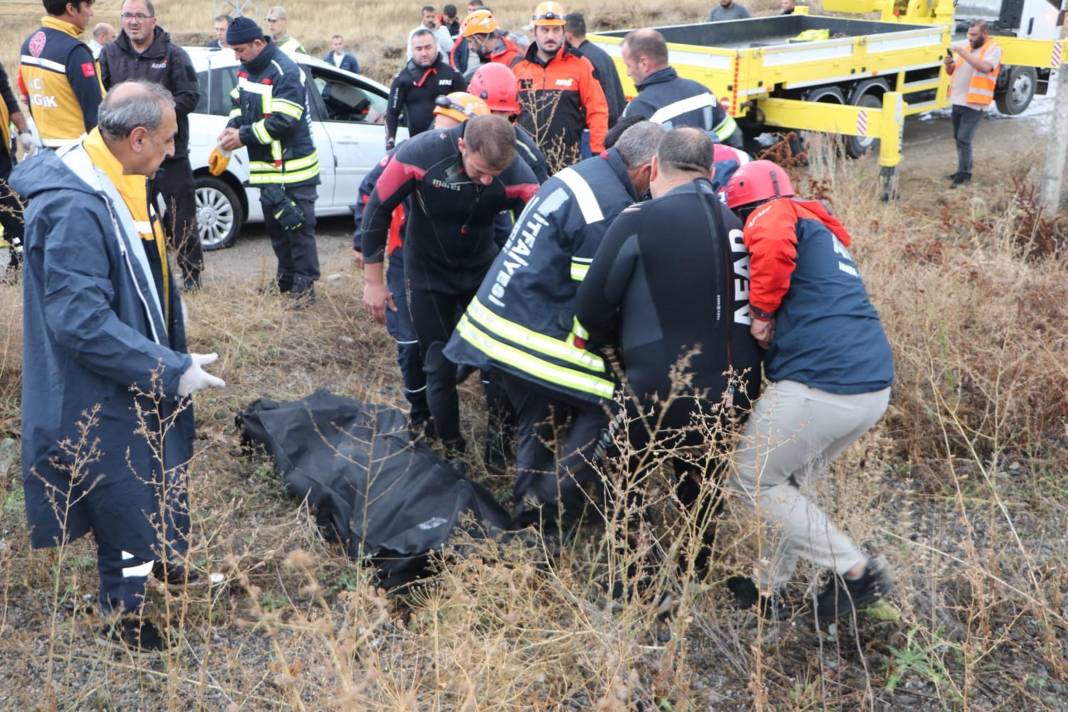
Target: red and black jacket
559,99
450,238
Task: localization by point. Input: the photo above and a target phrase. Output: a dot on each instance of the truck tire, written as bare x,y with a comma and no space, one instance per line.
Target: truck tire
1018,91
856,146
219,213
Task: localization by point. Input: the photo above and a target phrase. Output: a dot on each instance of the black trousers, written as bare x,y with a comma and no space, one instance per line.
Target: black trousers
435,315
298,257
174,181
965,122
555,456
657,437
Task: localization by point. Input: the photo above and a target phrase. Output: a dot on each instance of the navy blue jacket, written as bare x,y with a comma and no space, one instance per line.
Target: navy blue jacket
663,93
348,62
827,333
90,336
530,288
608,77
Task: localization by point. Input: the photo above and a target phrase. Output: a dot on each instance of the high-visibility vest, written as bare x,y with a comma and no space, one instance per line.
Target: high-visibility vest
982,85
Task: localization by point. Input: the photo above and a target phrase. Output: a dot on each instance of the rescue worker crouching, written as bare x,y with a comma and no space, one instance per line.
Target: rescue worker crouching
451,110
460,179
669,287
521,324
830,368
270,116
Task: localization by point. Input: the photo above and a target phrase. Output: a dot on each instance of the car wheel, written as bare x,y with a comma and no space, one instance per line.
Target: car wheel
1018,91
219,213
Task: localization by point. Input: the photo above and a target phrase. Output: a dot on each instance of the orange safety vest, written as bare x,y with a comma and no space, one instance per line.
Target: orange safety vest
982,85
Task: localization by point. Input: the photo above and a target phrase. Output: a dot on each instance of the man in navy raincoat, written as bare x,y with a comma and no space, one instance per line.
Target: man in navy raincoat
105,349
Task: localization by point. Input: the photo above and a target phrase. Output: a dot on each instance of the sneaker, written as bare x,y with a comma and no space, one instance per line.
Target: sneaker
175,575
745,595
842,597
133,634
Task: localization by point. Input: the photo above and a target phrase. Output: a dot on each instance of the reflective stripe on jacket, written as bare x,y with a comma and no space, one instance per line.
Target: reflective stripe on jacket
59,79
270,109
522,320
666,98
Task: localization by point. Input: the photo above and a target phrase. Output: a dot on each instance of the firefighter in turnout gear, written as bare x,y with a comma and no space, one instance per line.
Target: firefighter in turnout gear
522,324
270,117
58,77
667,98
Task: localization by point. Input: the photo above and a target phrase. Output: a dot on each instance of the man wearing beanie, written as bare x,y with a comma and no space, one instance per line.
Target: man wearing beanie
270,104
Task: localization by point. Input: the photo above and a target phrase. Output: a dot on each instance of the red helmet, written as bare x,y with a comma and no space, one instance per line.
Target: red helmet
723,152
757,182
495,84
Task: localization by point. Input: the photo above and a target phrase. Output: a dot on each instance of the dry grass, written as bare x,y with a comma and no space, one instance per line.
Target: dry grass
961,486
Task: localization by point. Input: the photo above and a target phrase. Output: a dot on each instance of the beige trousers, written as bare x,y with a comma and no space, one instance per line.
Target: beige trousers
792,436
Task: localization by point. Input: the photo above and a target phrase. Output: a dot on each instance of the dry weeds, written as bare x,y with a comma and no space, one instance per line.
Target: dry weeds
961,486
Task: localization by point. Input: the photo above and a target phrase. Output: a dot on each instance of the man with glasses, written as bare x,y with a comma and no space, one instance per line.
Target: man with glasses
414,90
57,76
278,27
143,51
559,92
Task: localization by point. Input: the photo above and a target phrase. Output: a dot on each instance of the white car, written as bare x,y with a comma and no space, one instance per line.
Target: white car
348,127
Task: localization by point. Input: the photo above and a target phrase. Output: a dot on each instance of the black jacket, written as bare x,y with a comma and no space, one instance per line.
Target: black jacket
164,63
671,277
279,140
608,77
413,92
450,239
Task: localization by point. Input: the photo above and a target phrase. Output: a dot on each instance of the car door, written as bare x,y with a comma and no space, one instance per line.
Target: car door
324,147
353,113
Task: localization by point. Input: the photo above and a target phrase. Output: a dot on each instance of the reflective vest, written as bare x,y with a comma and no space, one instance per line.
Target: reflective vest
982,85
60,80
291,45
522,320
270,109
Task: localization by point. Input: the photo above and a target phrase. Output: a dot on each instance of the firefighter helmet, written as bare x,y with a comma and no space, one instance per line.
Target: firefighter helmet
479,22
757,182
549,14
495,84
460,106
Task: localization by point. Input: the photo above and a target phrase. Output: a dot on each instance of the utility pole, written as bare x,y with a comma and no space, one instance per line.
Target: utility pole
235,8
1057,143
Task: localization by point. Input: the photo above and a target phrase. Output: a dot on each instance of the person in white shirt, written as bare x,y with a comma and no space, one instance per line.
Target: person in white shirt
441,34
103,34
340,57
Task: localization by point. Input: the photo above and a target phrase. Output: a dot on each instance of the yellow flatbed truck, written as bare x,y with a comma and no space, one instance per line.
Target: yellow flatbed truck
859,78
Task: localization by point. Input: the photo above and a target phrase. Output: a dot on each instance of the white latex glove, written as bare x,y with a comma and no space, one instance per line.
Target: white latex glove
29,144
196,378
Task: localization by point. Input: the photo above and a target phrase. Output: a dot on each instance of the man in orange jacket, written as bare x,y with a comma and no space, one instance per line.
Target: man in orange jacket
971,90
559,92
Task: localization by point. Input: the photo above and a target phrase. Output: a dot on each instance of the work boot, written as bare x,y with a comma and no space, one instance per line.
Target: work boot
133,634
175,575
455,449
842,597
191,283
961,179
302,299
746,595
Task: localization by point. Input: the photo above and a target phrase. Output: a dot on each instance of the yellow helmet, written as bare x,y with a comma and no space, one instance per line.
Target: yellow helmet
460,106
549,14
479,22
